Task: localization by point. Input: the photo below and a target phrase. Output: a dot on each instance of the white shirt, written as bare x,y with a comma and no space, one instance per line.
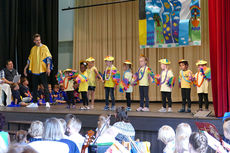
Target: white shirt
49,147
78,139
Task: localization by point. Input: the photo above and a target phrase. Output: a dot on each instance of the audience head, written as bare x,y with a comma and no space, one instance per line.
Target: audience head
21,136
2,121
143,60
102,120
53,129
226,129
63,123
36,129
9,64
166,134
183,132
198,143
37,39
69,117
121,115
16,148
74,126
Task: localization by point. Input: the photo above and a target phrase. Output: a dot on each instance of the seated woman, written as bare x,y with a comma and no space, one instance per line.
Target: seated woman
123,126
35,131
54,133
4,135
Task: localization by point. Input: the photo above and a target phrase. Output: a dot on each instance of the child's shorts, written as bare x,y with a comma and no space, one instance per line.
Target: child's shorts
91,88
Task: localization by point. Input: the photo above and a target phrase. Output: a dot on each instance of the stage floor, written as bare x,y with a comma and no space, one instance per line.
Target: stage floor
154,107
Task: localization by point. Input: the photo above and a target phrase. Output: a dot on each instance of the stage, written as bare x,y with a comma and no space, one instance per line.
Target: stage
146,124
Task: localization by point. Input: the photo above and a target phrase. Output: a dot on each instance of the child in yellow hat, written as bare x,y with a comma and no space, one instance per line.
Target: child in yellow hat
185,81
201,82
166,81
125,83
110,82
92,75
142,78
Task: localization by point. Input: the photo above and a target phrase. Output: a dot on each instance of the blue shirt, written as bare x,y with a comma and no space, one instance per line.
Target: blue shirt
72,146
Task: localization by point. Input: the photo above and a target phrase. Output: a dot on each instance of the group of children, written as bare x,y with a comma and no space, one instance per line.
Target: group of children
86,80
72,84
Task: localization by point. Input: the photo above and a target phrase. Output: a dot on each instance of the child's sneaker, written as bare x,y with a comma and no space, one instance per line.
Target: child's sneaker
169,109
139,109
145,109
188,110
162,110
128,109
83,108
106,108
47,104
182,110
113,108
74,106
87,107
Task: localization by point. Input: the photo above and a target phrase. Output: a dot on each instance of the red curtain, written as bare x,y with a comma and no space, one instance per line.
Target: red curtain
219,35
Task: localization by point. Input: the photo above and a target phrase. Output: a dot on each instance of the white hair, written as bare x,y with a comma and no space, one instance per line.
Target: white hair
183,132
75,124
63,122
166,134
36,129
53,129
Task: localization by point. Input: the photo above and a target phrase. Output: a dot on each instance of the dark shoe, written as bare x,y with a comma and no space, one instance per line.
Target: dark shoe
106,108
182,110
188,110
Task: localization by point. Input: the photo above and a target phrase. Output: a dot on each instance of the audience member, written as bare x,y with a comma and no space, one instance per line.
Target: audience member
35,131
198,143
166,134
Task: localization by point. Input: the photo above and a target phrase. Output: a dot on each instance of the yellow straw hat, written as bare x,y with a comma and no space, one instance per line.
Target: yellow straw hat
109,58
182,60
201,62
67,70
90,59
165,61
128,62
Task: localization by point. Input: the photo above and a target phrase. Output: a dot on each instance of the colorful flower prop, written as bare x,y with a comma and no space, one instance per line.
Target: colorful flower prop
171,82
135,79
81,78
151,74
206,71
116,76
72,75
124,85
158,79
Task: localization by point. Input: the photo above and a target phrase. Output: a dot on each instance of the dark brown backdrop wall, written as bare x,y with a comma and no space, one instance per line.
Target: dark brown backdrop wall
20,19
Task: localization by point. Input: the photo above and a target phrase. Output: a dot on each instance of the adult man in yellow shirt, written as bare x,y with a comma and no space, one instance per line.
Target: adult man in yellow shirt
39,63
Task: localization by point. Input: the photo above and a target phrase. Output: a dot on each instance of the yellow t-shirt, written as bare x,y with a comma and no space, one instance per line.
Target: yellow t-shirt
92,76
108,77
203,86
164,86
144,81
185,78
83,86
68,84
36,58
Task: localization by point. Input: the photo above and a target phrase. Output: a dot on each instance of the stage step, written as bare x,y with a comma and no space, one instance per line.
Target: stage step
18,123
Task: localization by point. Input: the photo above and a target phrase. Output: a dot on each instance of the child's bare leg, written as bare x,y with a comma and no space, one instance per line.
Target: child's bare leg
23,104
92,99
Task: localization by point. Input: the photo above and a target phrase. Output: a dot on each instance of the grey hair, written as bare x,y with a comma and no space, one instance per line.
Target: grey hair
53,129
63,122
199,142
36,129
75,123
